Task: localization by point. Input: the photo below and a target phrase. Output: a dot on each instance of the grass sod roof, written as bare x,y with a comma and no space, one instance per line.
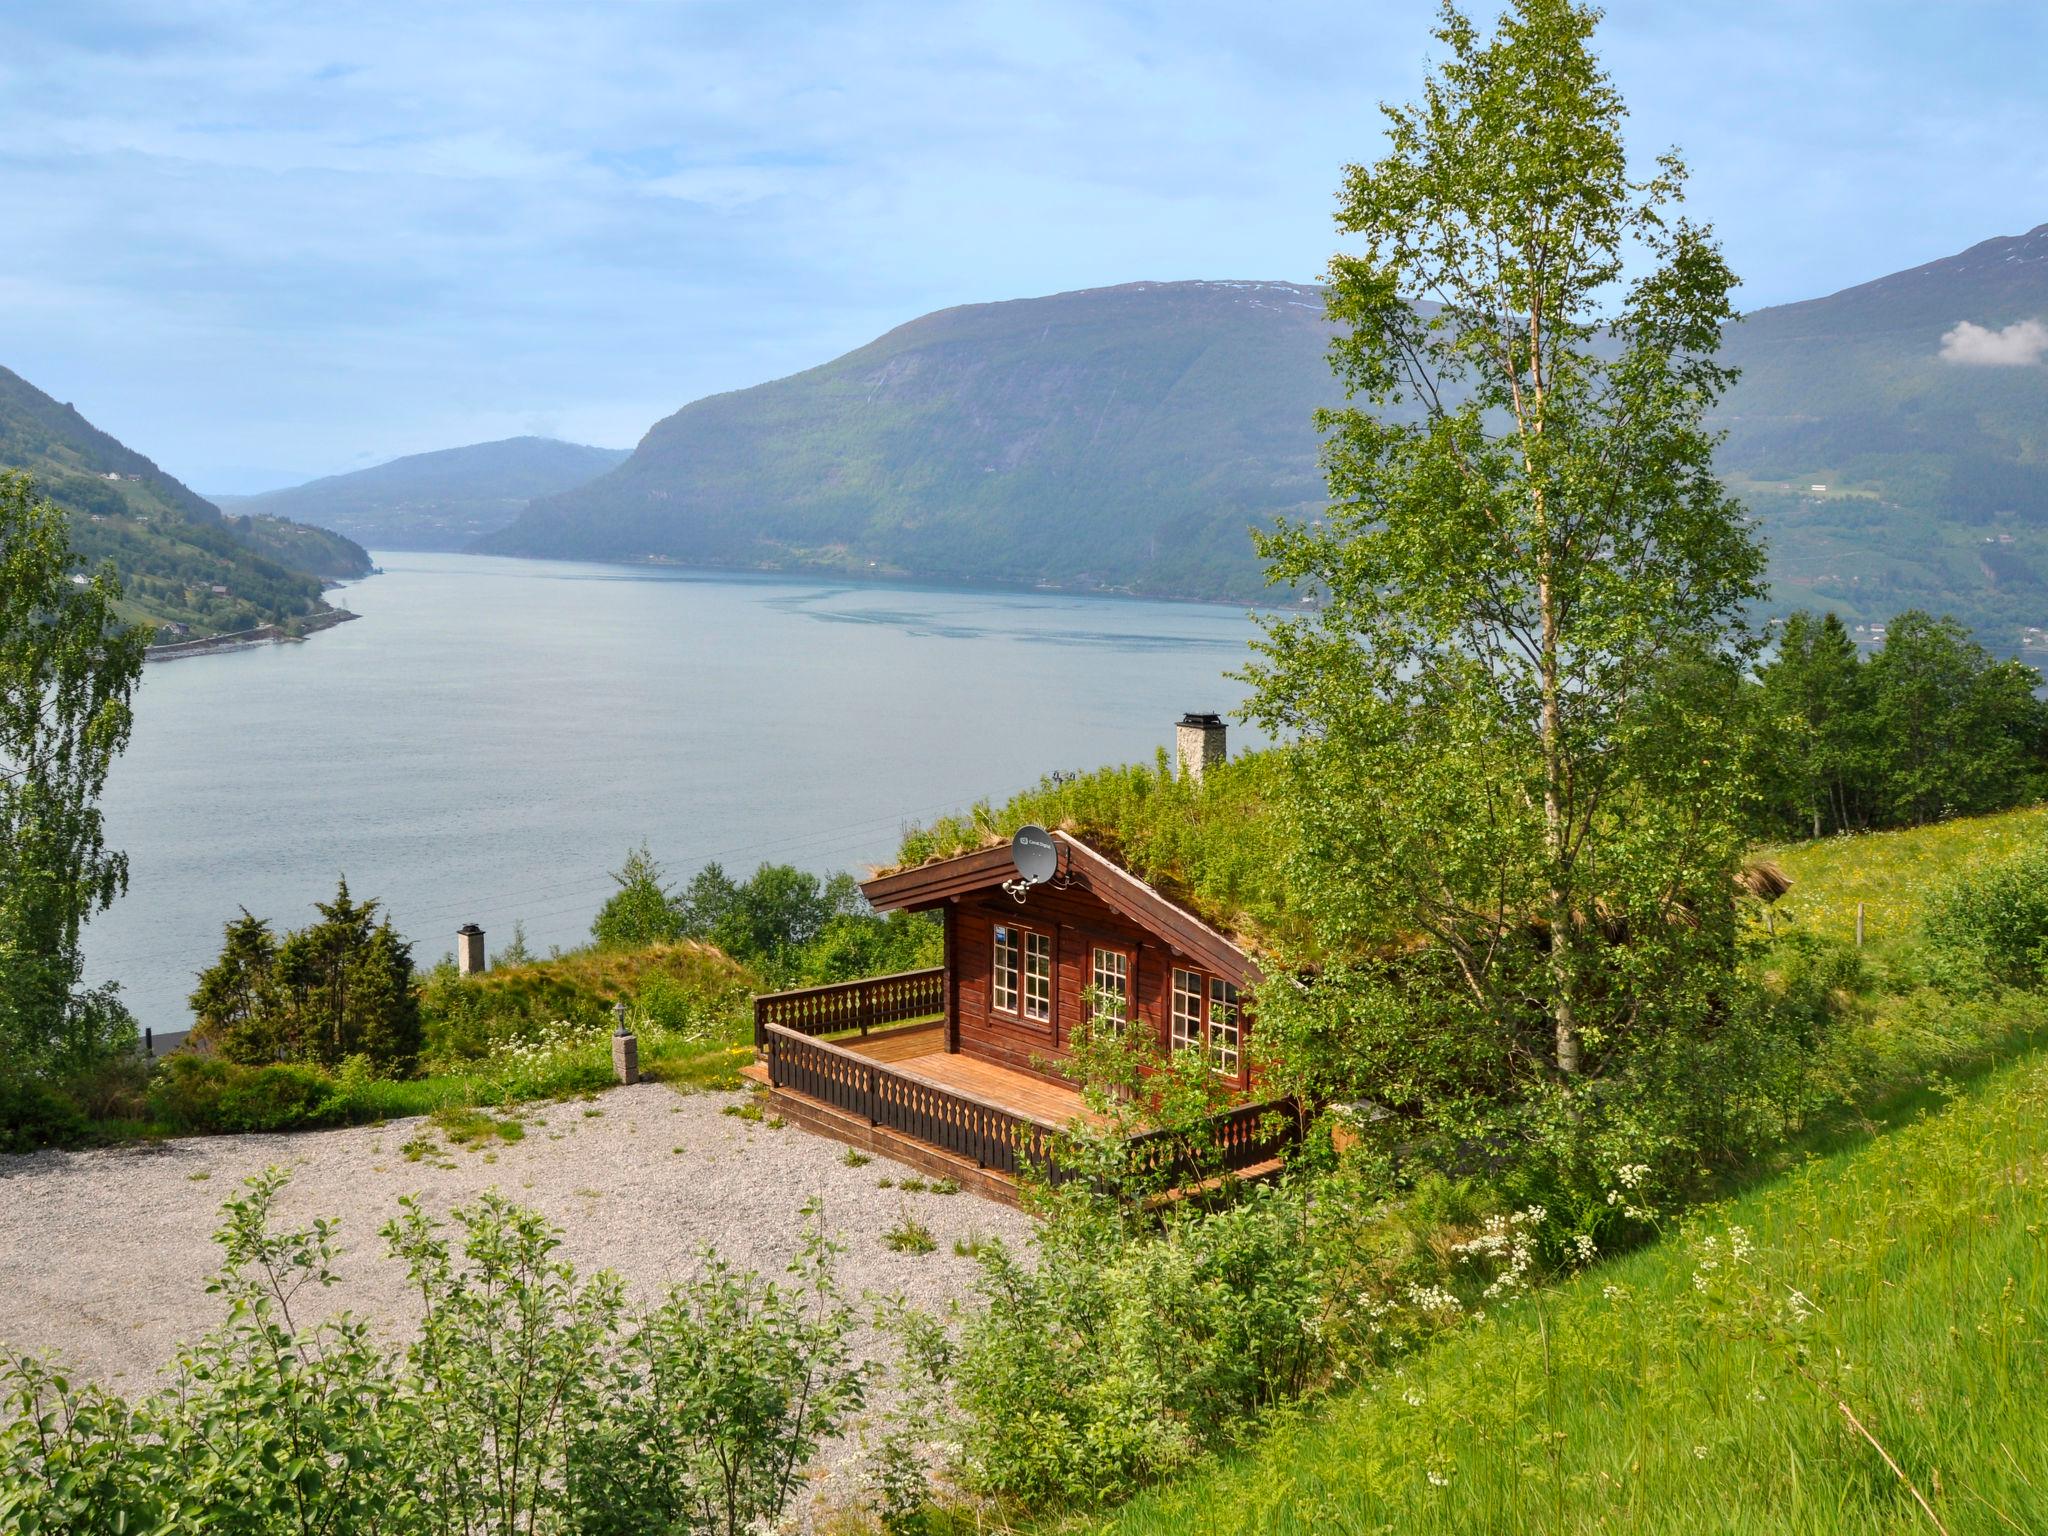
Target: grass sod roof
1212,848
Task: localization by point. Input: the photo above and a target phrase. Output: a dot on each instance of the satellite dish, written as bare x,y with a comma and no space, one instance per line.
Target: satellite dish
1035,854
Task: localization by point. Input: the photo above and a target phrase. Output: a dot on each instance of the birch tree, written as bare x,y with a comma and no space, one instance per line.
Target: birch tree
1530,582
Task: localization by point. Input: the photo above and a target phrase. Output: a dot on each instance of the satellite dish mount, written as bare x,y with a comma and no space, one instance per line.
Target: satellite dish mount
1037,858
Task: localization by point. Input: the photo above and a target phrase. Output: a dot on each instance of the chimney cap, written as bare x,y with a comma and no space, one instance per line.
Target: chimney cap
469,928
1208,722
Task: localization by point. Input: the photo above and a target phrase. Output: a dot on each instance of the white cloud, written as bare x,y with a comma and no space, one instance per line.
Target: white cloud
2019,345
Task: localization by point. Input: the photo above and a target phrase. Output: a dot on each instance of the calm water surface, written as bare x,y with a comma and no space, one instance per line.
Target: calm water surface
493,735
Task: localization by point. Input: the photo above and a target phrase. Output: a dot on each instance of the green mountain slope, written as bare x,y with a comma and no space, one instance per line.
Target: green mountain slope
1127,437
1119,437
1934,460
180,560
441,500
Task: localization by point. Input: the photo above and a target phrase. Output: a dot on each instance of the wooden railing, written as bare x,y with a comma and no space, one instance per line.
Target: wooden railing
1239,1138
984,1133
993,1137
844,1005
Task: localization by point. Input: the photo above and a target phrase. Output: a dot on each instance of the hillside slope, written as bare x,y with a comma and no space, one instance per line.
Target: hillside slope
1118,437
1930,438
180,560
441,500
1127,437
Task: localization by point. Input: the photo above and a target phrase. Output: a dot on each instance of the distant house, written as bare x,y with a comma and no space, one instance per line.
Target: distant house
218,590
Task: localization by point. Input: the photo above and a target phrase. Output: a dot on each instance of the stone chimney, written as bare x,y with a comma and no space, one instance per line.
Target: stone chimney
469,949
1199,743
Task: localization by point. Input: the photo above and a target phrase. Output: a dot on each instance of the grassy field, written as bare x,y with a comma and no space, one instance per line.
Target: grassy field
1759,1370
1892,873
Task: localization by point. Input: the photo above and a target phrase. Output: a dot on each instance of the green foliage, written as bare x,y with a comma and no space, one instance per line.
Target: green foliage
786,923
1731,1378
212,1094
34,1113
641,911
1930,727
532,1399
170,548
341,987
1992,923
68,668
1213,845
1516,797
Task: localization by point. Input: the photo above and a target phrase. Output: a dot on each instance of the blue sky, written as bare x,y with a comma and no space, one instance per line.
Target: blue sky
263,241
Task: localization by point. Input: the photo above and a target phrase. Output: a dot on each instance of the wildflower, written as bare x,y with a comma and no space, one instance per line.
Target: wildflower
1413,1398
1438,1479
1699,1452
1583,1249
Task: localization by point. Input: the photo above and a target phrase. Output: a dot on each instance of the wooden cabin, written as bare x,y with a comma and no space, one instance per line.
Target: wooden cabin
955,1069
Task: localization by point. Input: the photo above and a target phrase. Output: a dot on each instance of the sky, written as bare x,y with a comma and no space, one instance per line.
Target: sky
261,242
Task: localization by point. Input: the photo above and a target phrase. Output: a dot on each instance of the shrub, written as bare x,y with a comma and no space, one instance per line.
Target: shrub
207,1094
342,986
34,1114
533,1399
1991,924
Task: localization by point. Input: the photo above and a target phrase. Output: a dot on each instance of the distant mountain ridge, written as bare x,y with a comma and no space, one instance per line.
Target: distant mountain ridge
1126,438
446,499
1117,438
181,562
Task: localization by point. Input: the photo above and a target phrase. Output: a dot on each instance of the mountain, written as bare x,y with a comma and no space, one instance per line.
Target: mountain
181,561
1127,437
1117,437
1894,438
441,500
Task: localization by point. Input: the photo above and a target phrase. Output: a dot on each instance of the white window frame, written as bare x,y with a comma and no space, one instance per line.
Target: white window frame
1038,948
1226,1039
1007,962
1121,973
1184,1029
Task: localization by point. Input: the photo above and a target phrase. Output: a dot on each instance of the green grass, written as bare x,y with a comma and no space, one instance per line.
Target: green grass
1892,873
1667,1393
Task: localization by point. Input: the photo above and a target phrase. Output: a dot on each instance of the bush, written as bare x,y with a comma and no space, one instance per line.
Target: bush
1991,925
34,1114
533,1399
207,1094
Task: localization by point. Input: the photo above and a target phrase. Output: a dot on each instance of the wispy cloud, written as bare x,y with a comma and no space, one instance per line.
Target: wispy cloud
294,237
2023,344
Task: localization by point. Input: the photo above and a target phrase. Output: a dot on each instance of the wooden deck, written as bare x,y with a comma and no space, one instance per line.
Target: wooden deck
919,1052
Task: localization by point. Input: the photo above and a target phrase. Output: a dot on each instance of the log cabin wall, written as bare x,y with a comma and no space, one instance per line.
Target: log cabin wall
1078,924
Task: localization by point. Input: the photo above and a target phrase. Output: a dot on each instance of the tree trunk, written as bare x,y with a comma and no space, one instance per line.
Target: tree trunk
1555,838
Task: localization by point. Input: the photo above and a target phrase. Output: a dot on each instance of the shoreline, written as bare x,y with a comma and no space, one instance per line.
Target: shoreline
248,639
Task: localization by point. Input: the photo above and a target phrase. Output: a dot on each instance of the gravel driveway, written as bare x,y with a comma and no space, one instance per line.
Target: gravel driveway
104,1255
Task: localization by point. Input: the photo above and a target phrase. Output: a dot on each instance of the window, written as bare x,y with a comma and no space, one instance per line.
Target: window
1223,1027
1008,949
1112,984
1187,1011
1205,1018
1037,975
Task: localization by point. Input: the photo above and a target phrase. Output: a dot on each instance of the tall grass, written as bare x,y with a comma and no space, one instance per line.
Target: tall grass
1893,874
1865,1333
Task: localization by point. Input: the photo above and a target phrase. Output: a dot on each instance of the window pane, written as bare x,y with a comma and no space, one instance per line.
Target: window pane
1038,975
1224,1041
1112,984
1187,1011
1005,989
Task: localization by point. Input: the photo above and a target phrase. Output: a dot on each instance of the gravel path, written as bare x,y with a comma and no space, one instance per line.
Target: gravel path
104,1255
